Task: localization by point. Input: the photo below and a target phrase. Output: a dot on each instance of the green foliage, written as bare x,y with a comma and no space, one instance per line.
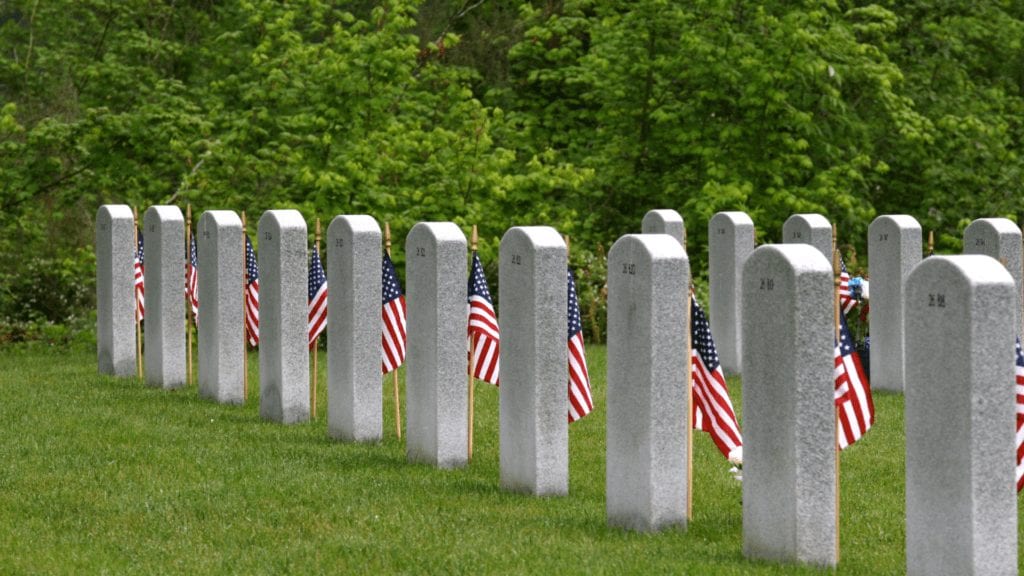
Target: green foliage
578,114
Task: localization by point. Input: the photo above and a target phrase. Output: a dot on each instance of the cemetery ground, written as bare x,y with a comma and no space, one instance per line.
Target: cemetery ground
105,475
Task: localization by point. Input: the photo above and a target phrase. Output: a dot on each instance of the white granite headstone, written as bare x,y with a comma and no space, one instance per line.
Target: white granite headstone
789,415
999,238
960,418
813,229
664,222
435,376
534,429
165,297
354,402
221,317
730,242
894,248
646,454
115,290
284,312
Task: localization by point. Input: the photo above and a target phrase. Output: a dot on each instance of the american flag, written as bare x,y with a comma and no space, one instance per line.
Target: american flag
712,409
853,392
483,326
252,294
581,402
140,281
1020,417
846,299
392,337
317,297
192,279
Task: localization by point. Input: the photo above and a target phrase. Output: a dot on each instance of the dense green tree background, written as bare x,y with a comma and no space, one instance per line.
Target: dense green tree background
581,114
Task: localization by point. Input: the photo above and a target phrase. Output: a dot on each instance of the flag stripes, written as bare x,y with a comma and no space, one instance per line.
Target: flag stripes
317,281
856,409
1020,416
140,281
712,410
846,300
252,295
581,402
192,279
483,326
392,318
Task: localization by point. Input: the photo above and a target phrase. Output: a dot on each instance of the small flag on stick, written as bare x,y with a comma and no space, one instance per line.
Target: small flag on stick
140,281
581,402
317,297
392,318
252,295
1020,416
712,410
483,326
853,392
846,300
192,279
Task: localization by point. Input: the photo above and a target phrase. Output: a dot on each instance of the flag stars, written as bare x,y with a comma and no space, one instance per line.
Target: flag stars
389,281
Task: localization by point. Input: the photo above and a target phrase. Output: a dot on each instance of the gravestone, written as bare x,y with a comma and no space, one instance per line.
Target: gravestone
164,329
647,476
959,418
789,415
999,238
284,311
894,248
813,229
435,376
534,428
354,401
664,222
221,317
115,290
730,242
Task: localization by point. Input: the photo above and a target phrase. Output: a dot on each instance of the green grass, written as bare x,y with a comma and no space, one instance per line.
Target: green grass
104,475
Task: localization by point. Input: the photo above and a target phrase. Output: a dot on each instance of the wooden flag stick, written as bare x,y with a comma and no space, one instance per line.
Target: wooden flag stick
931,242
689,402
474,240
188,302
245,335
689,398
836,312
394,373
316,376
138,321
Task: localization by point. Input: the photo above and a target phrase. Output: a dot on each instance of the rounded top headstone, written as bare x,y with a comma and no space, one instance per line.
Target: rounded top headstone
811,220
900,221
112,211
437,231
997,225
651,246
971,270
353,223
664,221
798,257
736,217
164,214
220,219
282,220
537,236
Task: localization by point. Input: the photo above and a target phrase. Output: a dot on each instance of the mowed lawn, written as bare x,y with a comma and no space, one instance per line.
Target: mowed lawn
105,475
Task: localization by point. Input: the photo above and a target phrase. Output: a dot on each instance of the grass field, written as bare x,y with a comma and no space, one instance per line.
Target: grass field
104,475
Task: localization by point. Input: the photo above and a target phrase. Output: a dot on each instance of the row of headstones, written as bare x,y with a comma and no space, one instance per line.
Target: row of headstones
785,302
533,429
945,328
894,248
